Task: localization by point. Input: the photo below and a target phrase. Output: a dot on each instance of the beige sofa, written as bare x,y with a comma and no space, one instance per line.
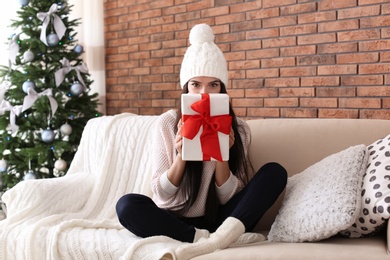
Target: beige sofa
73,217
297,144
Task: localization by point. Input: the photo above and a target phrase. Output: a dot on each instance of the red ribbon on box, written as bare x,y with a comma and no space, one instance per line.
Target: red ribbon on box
211,126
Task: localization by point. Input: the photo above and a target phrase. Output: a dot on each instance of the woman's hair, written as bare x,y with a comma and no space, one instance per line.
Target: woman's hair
192,178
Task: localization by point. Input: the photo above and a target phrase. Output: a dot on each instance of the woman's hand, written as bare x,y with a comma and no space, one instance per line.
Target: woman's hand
179,138
231,138
222,170
176,171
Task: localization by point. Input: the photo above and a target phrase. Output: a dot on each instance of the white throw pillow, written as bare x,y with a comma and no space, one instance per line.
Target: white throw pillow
375,194
323,199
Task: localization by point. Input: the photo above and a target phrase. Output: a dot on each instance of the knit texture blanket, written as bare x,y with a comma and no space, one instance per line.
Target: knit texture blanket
73,217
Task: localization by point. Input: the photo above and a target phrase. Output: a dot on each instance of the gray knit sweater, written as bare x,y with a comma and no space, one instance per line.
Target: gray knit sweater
165,194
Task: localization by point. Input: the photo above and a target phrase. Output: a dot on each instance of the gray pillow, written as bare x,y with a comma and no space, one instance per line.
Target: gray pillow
375,209
323,199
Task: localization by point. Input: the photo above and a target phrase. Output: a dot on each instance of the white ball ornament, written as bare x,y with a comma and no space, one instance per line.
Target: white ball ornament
30,175
76,89
52,39
28,84
28,56
66,129
3,165
23,2
60,165
2,214
48,135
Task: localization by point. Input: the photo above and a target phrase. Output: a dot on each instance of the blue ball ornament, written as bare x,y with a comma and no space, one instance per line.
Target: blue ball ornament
28,56
78,49
28,84
30,175
48,135
76,89
23,2
3,165
52,39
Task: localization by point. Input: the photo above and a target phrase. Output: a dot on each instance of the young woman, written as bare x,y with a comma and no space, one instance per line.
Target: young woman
209,204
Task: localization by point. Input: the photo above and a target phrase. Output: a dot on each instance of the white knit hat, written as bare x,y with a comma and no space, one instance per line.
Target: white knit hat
203,57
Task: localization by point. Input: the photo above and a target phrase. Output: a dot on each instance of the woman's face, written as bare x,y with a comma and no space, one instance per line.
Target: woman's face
203,85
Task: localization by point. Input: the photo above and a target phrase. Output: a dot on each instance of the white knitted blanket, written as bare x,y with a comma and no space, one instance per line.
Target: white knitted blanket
73,217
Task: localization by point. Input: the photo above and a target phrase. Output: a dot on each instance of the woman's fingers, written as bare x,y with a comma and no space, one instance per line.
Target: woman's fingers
231,138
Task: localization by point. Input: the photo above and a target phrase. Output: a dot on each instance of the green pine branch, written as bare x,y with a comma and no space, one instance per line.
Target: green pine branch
24,149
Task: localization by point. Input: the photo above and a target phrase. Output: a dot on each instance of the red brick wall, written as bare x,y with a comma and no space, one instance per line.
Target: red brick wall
286,58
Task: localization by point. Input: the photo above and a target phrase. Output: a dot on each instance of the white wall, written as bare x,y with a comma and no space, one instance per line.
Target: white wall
6,14
90,34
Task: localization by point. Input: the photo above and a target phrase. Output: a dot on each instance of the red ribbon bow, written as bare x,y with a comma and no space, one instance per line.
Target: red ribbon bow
211,126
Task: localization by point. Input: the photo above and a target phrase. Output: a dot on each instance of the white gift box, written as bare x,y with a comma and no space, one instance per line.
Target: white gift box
212,113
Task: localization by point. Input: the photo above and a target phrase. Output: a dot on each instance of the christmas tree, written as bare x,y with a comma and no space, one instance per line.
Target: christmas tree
45,97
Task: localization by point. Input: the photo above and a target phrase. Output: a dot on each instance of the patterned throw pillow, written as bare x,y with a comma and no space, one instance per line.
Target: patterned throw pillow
323,199
375,192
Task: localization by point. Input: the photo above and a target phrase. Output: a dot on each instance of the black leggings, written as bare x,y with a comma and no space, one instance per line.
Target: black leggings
140,215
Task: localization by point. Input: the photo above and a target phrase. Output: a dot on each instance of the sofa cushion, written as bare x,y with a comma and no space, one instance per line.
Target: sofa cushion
323,199
375,208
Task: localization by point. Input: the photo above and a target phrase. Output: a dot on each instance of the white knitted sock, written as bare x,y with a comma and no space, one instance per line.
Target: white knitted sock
248,238
229,231
201,233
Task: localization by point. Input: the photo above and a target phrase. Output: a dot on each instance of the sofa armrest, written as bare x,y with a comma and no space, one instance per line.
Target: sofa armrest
53,195
46,196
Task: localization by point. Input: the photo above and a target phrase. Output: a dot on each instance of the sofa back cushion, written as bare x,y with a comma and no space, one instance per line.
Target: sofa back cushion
299,143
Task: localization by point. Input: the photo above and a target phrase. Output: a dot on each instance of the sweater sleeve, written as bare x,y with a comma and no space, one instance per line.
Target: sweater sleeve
165,194
245,134
228,189
233,185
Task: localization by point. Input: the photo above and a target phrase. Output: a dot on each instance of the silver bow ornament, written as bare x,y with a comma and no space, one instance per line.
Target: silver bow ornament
58,25
32,97
66,68
3,88
14,111
13,48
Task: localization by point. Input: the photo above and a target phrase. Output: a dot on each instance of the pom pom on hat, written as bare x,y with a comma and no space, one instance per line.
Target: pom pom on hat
203,57
201,33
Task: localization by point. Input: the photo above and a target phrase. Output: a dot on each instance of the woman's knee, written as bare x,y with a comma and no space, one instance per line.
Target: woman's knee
278,169
276,173
130,203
